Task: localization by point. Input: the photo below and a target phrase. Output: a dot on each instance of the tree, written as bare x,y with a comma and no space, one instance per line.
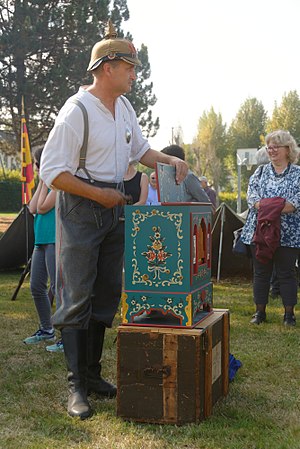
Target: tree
141,95
247,130
209,146
287,115
44,52
191,158
248,127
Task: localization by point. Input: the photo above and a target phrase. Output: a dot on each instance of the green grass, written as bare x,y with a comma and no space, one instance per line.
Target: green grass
8,214
261,411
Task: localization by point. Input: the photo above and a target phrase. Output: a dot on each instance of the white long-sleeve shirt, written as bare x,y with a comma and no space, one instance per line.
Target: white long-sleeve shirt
112,143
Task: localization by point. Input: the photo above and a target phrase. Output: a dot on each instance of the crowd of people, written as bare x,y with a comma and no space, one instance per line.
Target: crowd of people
83,256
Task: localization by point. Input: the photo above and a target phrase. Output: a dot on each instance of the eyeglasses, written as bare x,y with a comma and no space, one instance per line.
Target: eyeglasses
275,148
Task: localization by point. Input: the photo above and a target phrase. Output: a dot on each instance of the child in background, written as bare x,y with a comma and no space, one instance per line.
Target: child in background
42,205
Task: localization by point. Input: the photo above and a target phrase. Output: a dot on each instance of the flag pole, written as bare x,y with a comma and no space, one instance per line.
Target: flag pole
23,178
27,179
27,176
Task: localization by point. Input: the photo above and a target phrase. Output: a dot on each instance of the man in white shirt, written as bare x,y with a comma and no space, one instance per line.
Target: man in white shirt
90,236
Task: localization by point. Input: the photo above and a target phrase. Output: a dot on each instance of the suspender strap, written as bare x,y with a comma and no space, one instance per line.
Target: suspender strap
83,149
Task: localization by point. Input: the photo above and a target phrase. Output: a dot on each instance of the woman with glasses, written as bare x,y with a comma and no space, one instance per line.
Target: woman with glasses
272,228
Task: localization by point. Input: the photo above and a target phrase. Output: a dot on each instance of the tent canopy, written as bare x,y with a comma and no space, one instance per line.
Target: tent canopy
224,262
16,244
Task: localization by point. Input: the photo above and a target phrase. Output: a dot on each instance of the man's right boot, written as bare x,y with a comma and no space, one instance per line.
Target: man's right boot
75,349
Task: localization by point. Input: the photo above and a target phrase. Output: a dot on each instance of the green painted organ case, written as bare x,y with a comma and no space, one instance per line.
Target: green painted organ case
167,264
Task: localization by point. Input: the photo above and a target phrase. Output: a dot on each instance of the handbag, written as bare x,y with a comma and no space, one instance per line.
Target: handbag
238,247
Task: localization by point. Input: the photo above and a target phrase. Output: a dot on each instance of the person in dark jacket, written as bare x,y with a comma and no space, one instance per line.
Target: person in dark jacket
280,178
193,189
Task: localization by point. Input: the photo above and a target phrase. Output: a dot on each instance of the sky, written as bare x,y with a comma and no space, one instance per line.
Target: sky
215,53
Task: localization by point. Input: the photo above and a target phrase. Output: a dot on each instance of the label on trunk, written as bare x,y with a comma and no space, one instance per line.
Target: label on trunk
216,361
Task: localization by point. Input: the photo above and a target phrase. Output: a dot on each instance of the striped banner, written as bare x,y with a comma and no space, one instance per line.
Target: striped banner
27,176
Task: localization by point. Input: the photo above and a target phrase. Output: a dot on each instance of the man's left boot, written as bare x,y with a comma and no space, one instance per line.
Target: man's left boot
95,383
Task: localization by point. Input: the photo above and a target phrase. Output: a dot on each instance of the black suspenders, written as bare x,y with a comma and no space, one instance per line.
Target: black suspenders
83,149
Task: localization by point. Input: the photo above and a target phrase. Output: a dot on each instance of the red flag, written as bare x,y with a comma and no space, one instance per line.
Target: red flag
27,176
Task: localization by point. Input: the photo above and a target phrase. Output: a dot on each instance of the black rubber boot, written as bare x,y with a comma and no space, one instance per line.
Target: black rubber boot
75,349
95,383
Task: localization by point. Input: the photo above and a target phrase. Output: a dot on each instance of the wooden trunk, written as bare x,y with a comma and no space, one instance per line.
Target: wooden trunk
171,375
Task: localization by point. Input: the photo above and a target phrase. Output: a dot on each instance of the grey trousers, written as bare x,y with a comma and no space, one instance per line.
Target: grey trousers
90,248
42,269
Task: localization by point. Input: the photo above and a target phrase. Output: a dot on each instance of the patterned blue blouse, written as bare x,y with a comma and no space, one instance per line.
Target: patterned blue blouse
266,183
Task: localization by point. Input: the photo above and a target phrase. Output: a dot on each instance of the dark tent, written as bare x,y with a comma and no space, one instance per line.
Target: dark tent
16,244
224,262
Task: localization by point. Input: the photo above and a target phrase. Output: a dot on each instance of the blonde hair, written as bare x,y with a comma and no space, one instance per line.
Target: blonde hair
284,139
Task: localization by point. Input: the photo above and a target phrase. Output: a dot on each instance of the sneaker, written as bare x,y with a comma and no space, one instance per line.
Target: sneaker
289,319
40,335
57,347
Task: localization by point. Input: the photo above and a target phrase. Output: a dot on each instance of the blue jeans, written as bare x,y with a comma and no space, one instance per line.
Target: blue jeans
90,248
42,269
284,262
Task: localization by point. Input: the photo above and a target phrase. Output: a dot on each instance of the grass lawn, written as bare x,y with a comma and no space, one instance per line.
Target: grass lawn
261,411
8,214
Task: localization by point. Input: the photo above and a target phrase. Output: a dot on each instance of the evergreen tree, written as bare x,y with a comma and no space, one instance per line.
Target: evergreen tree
45,48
